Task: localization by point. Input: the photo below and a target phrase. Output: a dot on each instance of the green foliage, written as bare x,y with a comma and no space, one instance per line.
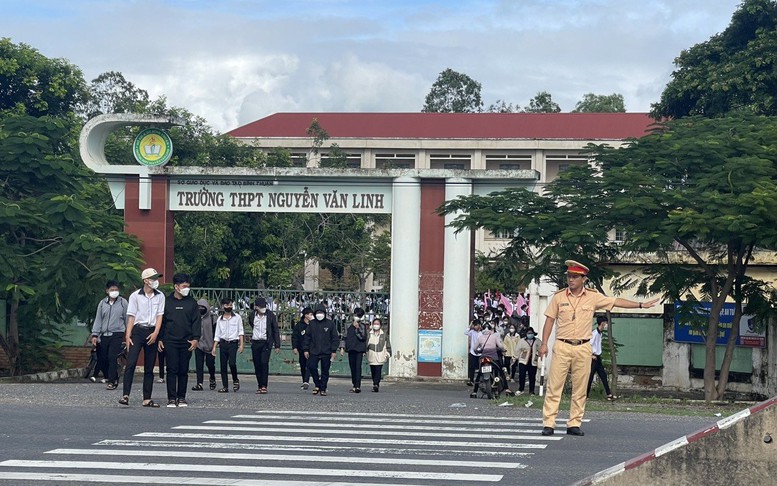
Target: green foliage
542,103
733,71
336,158
33,84
593,103
453,92
501,106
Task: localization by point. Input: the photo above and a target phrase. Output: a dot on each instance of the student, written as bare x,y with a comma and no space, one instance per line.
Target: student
203,354
229,339
597,367
473,333
144,321
265,336
511,341
378,352
528,357
356,345
179,336
297,336
320,345
108,330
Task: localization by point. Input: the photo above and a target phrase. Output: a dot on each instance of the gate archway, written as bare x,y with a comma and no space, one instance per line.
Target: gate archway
431,265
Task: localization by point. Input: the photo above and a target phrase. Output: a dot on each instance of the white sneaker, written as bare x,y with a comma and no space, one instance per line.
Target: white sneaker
304,386
93,379
160,380
171,404
103,381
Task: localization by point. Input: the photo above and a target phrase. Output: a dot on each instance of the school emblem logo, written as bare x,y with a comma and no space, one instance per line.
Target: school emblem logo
326,329
302,333
153,147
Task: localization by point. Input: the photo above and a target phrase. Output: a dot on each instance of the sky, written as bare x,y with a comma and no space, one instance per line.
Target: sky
236,61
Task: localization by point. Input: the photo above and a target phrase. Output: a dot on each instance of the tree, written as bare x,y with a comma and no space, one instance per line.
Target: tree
33,84
453,92
705,189
542,103
501,106
566,222
735,70
59,246
592,103
111,92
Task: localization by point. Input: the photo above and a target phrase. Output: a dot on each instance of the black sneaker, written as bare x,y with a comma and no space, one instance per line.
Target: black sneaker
171,404
575,431
547,431
182,402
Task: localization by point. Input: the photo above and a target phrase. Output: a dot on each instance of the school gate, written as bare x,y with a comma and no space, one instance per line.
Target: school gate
431,265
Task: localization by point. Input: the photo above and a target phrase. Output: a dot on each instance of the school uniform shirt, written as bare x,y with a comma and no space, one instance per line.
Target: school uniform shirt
229,329
146,308
265,327
596,342
260,327
473,341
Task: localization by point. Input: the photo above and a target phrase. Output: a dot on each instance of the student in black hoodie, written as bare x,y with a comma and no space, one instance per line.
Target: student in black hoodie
297,335
179,336
356,346
320,344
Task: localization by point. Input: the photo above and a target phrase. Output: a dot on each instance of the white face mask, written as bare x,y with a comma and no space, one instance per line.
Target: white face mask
184,292
113,294
262,310
320,317
376,327
154,284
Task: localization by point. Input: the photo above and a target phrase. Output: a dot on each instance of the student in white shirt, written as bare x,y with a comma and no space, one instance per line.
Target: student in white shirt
229,339
597,367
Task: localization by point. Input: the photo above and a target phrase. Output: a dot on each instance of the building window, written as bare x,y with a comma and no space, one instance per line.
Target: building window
394,161
453,166
450,161
620,235
510,167
513,161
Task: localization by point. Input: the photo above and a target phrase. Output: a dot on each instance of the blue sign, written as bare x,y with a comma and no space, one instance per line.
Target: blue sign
684,332
429,346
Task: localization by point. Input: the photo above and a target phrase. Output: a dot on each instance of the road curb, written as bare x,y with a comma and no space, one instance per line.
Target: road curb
45,377
721,424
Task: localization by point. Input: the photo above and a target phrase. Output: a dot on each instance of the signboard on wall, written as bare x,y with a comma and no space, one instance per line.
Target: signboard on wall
429,346
749,336
279,196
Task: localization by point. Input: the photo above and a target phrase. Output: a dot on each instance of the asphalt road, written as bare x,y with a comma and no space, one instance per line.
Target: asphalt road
77,433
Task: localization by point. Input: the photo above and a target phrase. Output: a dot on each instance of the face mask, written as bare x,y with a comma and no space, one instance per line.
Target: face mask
227,309
530,336
154,284
320,317
113,294
184,292
512,331
376,327
203,311
262,310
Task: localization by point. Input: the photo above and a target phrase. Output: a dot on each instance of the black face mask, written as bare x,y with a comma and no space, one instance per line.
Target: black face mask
203,311
228,309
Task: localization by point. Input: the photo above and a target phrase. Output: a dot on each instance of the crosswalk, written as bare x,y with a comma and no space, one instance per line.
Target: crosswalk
302,448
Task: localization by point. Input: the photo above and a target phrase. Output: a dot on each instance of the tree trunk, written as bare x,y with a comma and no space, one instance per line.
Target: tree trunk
710,392
613,357
729,354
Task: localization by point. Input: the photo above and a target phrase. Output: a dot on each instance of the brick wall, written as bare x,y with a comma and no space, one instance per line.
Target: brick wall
75,356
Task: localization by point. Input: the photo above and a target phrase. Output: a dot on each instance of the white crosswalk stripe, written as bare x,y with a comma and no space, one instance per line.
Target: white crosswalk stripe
298,448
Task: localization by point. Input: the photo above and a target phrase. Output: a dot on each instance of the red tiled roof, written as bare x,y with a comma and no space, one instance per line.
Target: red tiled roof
564,126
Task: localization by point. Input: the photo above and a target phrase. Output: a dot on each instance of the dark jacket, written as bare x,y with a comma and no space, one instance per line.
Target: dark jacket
207,328
321,337
356,339
298,334
181,321
273,333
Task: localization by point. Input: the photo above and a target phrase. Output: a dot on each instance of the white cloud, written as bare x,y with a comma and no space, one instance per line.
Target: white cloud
234,61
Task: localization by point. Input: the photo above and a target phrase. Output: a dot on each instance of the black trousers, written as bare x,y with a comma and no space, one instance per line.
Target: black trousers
178,358
472,366
598,368
139,336
228,355
355,362
377,373
304,371
523,369
162,357
102,360
111,346
202,358
260,352
321,381
508,363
